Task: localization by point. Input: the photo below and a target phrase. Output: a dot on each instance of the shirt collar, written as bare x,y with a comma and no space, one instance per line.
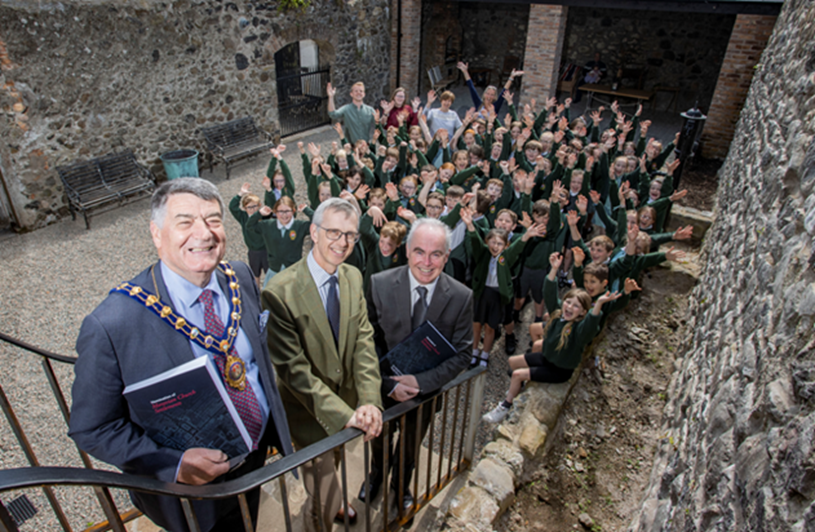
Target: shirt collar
287,226
431,287
184,293
319,275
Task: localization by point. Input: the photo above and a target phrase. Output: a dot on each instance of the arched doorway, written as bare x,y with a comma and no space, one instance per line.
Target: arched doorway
302,102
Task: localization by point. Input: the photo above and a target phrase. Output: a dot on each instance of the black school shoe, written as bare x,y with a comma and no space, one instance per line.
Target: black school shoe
510,344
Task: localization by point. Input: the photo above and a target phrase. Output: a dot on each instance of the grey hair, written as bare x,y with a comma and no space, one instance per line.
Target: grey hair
334,205
183,185
434,224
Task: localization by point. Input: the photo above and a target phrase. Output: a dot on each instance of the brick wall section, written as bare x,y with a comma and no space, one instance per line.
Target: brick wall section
747,42
544,44
411,44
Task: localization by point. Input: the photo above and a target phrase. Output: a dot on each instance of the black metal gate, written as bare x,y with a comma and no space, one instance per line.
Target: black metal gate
302,102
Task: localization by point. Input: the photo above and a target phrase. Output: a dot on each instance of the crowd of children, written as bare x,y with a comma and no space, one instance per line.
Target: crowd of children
519,194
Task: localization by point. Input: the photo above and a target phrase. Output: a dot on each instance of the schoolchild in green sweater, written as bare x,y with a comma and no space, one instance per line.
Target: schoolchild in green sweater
645,259
465,176
536,254
402,197
321,183
493,259
388,168
242,206
278,181
283,235
573,324
456,199
595,277
508,221
656,155
661,195
600,249
384,250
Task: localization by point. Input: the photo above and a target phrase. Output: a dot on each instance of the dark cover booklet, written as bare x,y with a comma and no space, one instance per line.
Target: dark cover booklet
188,406
424,349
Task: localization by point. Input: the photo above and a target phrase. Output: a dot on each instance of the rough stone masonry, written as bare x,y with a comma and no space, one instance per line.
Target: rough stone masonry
738,451
82,78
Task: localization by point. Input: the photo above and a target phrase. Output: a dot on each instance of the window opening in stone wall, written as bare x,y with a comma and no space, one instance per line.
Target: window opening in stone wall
301,81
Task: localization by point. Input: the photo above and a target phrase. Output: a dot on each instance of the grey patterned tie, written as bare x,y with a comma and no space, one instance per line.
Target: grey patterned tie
419,308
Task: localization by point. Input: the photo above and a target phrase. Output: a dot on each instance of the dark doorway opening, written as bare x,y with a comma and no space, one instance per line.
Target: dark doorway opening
302,102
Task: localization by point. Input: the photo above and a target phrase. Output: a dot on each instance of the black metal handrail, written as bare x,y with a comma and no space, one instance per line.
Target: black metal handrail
102,481
42,352
27,477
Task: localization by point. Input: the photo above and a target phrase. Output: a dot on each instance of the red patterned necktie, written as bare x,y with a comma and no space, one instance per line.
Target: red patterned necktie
245,401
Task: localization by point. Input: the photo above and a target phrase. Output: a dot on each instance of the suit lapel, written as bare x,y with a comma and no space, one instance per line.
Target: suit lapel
440,298
313,306
401,301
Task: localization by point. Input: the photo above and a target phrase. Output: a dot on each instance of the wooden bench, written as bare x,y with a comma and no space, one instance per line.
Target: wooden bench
235,140
104,182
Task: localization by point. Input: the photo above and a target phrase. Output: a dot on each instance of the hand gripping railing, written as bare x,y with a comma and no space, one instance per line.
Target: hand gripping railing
458,442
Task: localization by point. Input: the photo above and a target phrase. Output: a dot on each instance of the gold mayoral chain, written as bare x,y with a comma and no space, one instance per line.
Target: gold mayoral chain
234,368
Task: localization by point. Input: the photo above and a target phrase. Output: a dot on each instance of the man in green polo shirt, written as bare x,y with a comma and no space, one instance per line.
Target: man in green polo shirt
357,118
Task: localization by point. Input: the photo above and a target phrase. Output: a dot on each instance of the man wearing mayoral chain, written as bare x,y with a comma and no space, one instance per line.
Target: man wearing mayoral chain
189,304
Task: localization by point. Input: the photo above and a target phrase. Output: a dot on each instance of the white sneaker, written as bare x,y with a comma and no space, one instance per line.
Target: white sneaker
497,414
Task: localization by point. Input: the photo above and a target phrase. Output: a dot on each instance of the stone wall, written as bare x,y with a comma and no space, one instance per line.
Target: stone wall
739,446
80,79
683,50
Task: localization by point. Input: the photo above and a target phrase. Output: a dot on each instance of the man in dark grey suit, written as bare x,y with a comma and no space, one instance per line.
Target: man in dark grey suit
144,327
399,300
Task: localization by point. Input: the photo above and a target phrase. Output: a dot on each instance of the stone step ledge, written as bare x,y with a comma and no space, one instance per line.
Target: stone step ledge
682,216
518,443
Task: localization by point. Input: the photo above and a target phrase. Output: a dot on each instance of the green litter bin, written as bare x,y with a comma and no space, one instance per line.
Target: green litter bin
180,163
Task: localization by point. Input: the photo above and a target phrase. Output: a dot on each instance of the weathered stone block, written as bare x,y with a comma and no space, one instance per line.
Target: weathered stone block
497,479
533,436
505,452
474,505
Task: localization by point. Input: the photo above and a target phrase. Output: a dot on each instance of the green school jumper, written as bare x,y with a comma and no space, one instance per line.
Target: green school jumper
313,183
583,332
269,197
616,266
376,261
252,237
482,257
540,247
283,247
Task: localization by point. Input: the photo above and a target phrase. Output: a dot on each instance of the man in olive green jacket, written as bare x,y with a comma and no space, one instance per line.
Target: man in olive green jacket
322,348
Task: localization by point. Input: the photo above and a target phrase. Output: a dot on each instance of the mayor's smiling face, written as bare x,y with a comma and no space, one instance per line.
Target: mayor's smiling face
191,240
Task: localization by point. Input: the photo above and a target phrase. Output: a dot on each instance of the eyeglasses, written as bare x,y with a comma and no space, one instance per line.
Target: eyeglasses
252,207
335,234
281,211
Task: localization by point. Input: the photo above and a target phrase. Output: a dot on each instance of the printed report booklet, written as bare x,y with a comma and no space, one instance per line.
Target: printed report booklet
424,349
188,406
